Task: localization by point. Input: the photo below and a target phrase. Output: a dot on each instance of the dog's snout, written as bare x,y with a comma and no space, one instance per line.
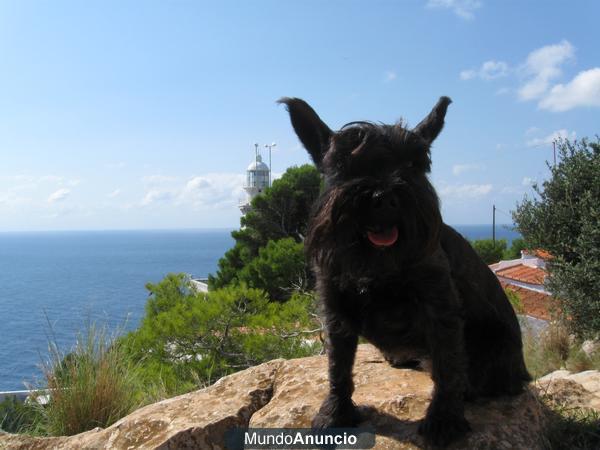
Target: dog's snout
385,201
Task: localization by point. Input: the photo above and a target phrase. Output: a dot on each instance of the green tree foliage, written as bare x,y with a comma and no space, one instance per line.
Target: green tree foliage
196,338
278,268
280,212
564,219
514,252
488,251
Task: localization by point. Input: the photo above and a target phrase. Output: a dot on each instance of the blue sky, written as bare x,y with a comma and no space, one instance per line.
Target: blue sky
130,115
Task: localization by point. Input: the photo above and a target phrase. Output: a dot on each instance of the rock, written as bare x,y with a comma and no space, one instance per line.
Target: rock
590,346
287,394
580,390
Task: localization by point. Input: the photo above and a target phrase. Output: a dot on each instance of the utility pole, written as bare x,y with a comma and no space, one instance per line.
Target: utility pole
494,225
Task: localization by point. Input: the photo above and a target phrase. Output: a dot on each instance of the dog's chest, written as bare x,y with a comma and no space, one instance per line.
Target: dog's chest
388,316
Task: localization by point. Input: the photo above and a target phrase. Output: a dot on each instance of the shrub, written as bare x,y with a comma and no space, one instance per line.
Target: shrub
93,386
197,338
489,251
514,252
17,416
563,219
555,349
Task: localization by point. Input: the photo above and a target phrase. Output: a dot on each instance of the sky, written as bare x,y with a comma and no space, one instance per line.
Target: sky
144,115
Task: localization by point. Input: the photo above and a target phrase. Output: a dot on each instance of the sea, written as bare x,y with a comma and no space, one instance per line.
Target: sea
54,283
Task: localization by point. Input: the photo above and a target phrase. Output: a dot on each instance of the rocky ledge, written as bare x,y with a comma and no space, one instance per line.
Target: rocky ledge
284,393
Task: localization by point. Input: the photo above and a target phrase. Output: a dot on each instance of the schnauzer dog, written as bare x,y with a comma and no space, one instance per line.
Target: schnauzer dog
390,270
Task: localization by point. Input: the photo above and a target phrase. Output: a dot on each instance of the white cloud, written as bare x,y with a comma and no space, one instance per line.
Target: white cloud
489,70
503,91
512,190
390,75
73,182
583,90
465,190
12,199
465,9
158,179
543,66
157,196
457,169
527,181
114,193
59,195
554,136
531,131
213,190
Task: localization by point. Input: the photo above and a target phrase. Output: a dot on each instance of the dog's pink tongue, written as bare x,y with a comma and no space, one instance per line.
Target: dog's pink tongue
384,238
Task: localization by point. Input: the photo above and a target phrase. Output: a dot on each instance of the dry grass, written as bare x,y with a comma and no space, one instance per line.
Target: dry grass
570,428
93,386
567,427
555,349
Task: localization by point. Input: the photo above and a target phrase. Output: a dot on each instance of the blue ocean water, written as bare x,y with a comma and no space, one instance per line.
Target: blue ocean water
75,276
473,232
68,278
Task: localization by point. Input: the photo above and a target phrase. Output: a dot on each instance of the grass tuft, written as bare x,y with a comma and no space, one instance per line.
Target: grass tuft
93,386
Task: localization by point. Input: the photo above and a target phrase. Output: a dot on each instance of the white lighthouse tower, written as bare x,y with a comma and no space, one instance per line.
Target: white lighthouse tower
257,179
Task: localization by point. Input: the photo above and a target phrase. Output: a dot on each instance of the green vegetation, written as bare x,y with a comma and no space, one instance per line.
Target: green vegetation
190,339
18,417
571,428
563,220
555,349
93,386
514,252
489,251
280,212
568,427
279,269
492,252
515,301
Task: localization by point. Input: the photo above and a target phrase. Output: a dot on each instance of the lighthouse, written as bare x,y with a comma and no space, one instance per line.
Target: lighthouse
257,179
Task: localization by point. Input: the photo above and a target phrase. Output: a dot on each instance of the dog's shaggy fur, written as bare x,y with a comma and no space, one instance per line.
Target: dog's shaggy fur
390,270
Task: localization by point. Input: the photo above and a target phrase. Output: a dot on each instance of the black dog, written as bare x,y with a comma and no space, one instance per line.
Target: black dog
390,270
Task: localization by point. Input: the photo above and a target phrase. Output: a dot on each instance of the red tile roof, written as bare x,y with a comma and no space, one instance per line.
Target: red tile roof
535,304
523,273
540,253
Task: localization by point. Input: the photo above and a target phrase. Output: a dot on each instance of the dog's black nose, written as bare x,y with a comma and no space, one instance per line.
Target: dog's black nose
385,201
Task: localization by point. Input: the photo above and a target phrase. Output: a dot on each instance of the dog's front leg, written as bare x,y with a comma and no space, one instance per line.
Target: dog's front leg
338,410
445,420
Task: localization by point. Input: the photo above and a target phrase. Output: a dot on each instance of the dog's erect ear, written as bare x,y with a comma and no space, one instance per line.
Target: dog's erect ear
430,126
311,130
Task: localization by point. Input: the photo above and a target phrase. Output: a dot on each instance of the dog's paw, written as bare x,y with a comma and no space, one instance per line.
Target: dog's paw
442,429
336,414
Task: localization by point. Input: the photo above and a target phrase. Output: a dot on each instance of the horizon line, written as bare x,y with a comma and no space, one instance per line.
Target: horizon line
99,230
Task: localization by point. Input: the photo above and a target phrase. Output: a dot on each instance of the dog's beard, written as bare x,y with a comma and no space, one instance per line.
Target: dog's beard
351,244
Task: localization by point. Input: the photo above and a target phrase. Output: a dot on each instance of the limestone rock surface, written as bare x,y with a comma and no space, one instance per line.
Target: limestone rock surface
580,389
287,394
